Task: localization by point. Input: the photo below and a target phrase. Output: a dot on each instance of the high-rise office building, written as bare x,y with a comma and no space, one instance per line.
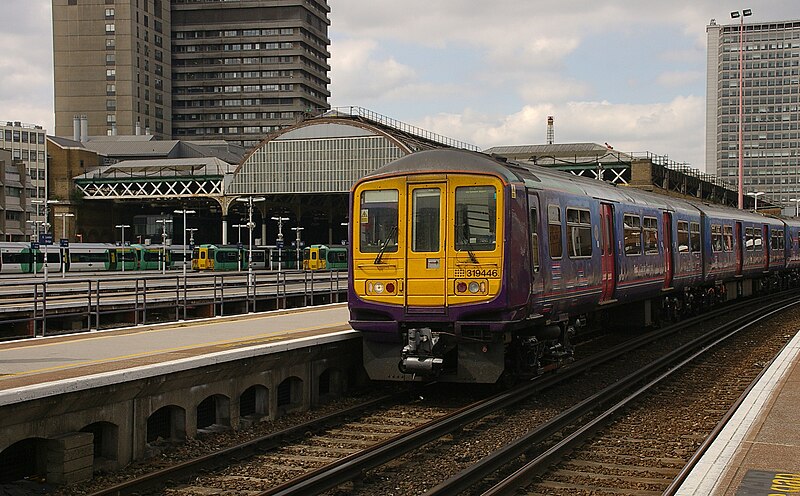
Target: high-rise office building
25,183
770,77
189,69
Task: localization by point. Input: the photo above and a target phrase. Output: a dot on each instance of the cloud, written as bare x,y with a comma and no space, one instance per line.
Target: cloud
551,88
662,128
679,78
358,72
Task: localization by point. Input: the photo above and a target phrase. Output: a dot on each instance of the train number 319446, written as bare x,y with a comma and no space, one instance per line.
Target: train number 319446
482,273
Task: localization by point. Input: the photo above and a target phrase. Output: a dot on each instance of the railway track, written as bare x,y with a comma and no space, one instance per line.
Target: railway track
445,443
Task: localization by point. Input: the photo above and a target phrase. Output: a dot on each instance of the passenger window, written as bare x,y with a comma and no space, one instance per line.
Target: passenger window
683,237
579,233
694,235
728,237
650,235
716,238
554,231
632,228
534,224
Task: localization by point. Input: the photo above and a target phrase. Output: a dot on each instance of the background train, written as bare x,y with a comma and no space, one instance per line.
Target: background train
20,258
466,267
210,257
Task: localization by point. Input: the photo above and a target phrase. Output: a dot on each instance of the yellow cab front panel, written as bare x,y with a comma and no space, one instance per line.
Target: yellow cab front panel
428,241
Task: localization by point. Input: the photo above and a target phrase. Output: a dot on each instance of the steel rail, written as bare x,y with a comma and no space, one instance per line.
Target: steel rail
157,479
353,466
686,355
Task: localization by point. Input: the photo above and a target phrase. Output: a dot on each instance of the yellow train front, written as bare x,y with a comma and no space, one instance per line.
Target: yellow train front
428,288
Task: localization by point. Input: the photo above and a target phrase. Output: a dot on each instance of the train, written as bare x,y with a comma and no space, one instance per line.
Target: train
325,257
23,258
469,268
220,258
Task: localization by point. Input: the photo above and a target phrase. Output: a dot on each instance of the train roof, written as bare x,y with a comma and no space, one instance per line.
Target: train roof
448,160
544,178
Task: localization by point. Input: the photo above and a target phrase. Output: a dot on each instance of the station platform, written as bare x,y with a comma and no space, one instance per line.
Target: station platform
39,367
758,452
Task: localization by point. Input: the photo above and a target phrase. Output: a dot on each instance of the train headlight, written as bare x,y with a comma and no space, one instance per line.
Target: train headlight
467,287
381,287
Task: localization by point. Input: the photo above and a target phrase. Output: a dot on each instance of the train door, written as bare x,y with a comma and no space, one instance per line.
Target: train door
537,283
739,247
426,266
607,262
669,261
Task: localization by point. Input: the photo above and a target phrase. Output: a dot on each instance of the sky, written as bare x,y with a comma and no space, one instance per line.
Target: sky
630,73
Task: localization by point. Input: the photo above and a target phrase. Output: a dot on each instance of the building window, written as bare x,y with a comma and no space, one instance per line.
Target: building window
110,28
111,89
111,59
109,13
111,118
111,104
111,74
111,43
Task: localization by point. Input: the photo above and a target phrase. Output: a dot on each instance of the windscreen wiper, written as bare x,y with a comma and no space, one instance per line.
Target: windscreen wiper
385,244
472,257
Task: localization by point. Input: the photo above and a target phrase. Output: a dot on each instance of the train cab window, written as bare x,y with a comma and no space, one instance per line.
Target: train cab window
683,237
632,227
534,225
579,233
716,238
426,215
378,221
476,217
694,237
650,231
727,234
554,231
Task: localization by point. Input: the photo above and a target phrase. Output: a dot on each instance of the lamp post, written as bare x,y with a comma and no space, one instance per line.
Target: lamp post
184,212
63,216
45,226
239,228
280,239
755,195
297,243
741,16
250,225
122,228
796,206
164,223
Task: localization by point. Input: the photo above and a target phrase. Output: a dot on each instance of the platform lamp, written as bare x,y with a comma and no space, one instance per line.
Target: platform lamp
755,195
45,225
63,216
250,225
184,212
796,206
122,228
737,15
297,243
280,220
164,223
239,228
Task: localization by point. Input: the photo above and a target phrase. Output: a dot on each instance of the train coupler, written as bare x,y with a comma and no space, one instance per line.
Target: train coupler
418,356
